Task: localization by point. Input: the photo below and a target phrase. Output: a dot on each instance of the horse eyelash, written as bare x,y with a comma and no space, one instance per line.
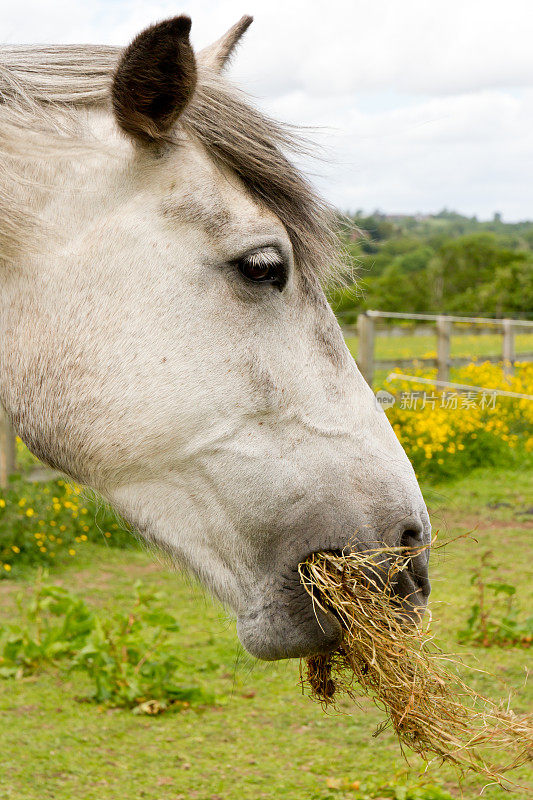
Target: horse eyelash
269,257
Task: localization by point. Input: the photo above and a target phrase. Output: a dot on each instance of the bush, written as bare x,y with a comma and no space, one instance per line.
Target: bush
55,624
130,658
494,618
396,789
446,434
43,523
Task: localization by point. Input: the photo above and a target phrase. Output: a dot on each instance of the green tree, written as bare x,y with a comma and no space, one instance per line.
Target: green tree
465,264
510,291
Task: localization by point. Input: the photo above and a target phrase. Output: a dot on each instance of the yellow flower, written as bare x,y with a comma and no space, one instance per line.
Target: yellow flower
7,567
22,501
444,423
71,552
2,503
15,548
30,512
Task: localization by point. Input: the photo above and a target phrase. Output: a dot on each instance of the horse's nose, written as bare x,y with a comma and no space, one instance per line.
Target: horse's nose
414,533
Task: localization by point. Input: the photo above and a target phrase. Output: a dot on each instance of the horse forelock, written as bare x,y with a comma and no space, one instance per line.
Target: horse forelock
44,88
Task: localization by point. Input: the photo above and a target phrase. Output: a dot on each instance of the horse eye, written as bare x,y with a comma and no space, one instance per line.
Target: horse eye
262,266
255,272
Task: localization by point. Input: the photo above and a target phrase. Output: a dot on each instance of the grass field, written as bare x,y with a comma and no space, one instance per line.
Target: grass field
467,346
261,739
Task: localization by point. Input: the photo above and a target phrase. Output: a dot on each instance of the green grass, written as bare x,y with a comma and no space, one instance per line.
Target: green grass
262,739
467,346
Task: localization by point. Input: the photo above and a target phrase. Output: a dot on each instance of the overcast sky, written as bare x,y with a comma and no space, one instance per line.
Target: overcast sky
425,103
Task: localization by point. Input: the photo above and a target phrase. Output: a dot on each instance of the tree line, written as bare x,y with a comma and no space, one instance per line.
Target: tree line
437,264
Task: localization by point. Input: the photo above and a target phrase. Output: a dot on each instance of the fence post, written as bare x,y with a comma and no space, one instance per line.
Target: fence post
444,329
7,448
365,329
508,346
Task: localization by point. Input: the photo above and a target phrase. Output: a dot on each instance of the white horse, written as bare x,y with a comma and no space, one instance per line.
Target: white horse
164,335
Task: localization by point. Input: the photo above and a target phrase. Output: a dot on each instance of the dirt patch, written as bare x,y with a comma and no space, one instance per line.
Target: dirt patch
22,711
8,593
452,523
7,588
105,577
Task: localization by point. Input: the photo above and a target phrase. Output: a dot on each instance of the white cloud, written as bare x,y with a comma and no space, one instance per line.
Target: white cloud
431,102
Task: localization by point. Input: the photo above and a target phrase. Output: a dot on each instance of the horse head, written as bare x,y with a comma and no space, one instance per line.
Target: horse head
166,338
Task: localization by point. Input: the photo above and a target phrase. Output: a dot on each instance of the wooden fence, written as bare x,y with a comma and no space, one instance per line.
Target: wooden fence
367,336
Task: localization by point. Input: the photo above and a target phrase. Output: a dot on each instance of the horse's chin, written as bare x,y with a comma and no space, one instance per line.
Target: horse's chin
271,633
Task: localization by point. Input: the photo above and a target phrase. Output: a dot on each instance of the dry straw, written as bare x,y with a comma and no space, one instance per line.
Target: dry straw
398,665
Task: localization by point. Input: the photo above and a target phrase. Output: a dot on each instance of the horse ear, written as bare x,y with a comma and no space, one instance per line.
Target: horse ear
155,80
217,55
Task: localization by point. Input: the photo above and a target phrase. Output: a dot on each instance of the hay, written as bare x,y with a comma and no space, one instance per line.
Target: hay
397,664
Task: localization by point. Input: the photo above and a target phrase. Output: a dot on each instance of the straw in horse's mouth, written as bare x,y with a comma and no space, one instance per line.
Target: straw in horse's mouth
396,663
377,569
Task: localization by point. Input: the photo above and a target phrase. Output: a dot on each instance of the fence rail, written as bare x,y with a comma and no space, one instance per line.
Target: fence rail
430,361
399,376
367,336
450,318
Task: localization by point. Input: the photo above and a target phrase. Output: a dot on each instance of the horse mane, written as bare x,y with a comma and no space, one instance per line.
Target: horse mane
38,81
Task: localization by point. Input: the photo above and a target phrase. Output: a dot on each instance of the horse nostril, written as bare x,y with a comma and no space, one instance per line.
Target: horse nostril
412,537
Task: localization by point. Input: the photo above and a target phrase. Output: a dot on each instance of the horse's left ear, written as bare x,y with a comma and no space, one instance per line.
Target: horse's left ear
217,55
155,80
